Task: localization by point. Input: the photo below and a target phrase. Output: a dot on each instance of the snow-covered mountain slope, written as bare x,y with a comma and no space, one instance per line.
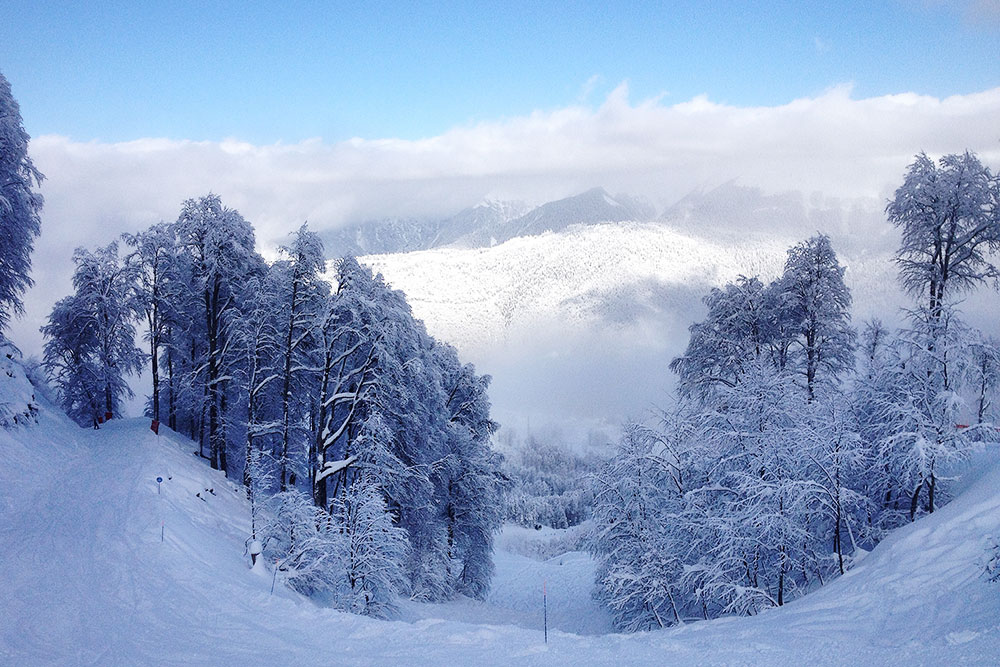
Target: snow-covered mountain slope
380,236
582,323
483,225
480,225
87,580
587,208
476,226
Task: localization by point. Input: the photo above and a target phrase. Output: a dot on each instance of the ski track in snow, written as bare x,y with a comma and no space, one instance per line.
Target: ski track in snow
86,580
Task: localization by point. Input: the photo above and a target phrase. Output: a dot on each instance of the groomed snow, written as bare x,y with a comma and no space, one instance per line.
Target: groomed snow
87,580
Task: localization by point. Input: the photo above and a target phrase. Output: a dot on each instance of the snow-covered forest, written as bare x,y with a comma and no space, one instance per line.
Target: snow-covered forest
362,443
325,443
798,442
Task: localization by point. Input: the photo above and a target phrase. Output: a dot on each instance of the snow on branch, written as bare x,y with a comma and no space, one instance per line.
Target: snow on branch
333,467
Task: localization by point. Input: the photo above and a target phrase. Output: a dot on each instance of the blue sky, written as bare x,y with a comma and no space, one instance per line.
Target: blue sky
207,70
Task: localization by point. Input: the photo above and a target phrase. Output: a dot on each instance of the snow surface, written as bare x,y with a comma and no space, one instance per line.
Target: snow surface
87,580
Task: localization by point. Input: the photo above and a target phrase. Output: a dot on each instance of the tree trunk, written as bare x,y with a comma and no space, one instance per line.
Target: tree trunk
211,322
915,499
171,393
287,379
223,466
153,344
837,546
930,493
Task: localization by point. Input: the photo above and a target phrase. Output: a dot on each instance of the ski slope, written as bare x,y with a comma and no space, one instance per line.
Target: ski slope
87,580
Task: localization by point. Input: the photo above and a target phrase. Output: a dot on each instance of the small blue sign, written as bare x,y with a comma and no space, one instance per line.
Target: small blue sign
159,479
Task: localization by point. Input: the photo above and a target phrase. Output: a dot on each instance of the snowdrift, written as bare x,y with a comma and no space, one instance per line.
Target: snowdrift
103,565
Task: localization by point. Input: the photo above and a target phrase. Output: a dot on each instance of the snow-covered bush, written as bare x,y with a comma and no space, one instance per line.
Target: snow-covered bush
17,395
353,557
375,551
307,546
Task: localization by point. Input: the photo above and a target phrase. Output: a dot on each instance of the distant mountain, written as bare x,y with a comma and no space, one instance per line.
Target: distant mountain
584,321
376,237
480,226
591,207
483,225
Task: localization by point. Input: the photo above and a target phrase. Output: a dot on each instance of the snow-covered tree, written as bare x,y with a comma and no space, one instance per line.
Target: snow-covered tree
949,214
219,248
20,207
90,348
349,332
375,549
393,401
299,293
259,341
258,477
641,531
984,376
735,333
71,360
838,462
471,477
152,260
816,305
926,406
761,549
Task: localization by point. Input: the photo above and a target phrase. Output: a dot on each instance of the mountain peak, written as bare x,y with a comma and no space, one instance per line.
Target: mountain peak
590,207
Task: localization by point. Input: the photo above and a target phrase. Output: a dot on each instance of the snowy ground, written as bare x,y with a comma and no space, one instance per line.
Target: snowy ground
86,580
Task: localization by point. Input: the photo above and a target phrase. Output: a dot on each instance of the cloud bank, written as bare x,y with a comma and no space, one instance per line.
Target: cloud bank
830,144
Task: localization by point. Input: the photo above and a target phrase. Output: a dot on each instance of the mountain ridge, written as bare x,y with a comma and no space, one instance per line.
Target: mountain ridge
486,224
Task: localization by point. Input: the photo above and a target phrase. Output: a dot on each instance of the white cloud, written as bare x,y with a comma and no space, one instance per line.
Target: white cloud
831,144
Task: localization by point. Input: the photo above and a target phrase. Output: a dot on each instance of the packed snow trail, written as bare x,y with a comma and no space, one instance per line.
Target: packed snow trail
86,580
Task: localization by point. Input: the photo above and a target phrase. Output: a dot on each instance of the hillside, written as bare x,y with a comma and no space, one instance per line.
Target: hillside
587,208
581,324
87,580
483,225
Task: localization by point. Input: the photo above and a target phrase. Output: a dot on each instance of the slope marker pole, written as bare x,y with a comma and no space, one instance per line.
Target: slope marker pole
545,612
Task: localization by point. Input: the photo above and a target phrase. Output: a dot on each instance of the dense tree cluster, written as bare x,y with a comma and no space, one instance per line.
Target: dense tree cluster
549,483
363,442
796,443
